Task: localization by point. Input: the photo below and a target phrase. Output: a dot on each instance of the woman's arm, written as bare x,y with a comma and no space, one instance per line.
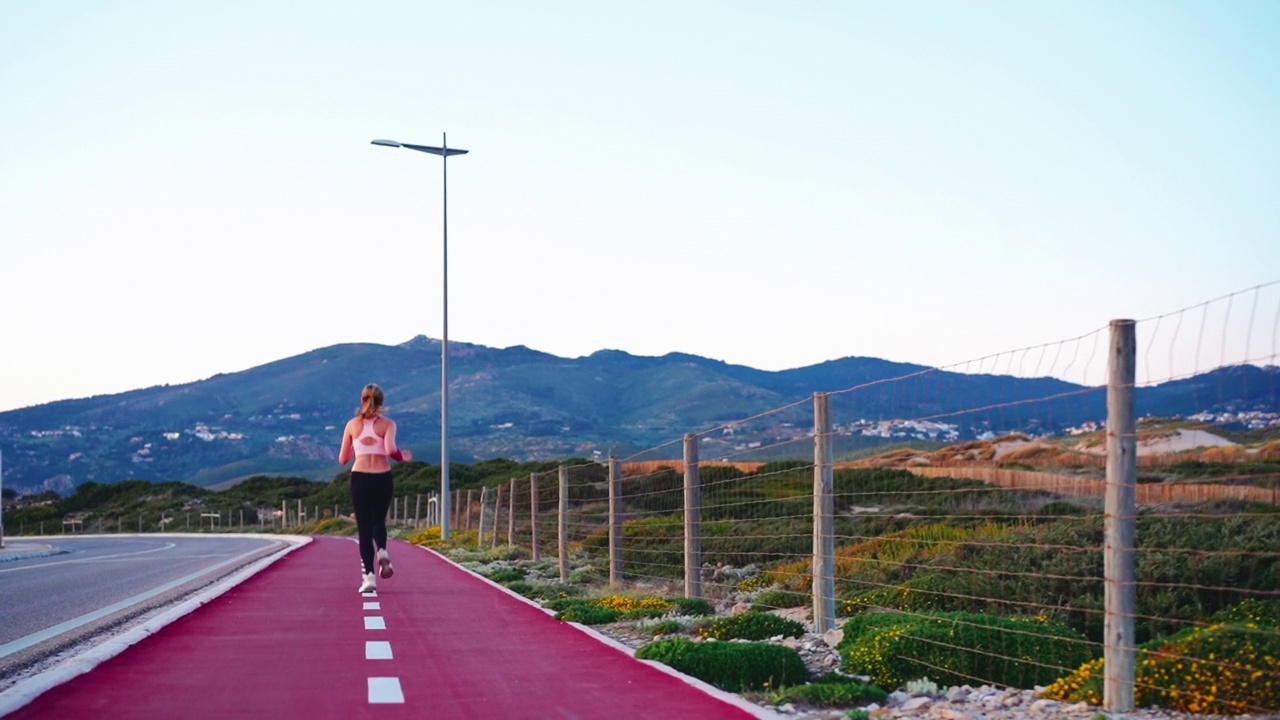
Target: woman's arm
389,441
347,449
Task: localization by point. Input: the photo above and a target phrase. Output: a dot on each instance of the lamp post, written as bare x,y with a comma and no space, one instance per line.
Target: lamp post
444,151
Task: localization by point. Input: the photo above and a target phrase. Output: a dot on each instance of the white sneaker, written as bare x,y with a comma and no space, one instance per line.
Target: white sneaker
370,583
384,564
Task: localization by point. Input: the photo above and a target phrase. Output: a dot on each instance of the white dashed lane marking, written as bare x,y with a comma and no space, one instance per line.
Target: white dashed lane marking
384,690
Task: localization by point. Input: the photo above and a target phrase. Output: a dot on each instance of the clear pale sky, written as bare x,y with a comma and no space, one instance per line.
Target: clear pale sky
189,188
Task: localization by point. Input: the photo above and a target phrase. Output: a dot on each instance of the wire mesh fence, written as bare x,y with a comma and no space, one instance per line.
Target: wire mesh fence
1060,527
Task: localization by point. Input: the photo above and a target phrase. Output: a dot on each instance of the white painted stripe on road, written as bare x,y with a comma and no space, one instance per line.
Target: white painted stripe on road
385,690
372,606
373,622
371,593
99,558
39,637
377,650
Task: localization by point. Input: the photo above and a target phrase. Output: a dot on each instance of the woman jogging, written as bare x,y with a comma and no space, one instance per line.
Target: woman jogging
371,439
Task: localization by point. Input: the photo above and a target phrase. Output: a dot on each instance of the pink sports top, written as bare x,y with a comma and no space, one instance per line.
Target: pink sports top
377,447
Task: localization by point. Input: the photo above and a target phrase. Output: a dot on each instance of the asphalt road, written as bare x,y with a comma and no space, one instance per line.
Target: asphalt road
98,585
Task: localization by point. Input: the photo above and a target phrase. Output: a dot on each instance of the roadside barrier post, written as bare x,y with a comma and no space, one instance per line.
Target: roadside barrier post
692,519
1120,503
824,546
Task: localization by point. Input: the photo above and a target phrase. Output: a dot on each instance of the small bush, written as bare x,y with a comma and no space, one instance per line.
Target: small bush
588,614
545,592
504,575
655,606
692,606
752,625
665,627
586,576
832,690
562,604
1222,669
772,599
732,667
520,587
959,648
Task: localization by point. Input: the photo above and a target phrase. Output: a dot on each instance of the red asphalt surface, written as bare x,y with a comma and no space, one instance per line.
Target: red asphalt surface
289,642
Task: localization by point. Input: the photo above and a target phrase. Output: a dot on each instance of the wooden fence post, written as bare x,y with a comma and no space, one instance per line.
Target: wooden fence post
692,519
497,509
1122,482
562,528
484,502
615,522
533,516
511,514
824,547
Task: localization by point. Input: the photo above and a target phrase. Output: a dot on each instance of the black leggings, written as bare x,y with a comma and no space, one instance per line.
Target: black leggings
371,497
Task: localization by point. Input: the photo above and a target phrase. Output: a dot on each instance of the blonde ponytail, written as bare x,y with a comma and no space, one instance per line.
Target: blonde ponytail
371,399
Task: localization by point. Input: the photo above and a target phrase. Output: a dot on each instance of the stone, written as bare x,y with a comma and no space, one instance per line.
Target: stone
957,694
897,697
915,704
833,637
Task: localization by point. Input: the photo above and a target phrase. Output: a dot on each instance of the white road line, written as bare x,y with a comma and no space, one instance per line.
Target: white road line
98,558
373,622
383,690
371,593
39,637
372,606
377,650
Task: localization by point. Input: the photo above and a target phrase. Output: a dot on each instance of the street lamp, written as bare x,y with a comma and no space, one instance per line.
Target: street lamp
444,151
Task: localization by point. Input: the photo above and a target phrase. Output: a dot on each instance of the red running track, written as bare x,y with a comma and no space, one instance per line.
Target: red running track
290,642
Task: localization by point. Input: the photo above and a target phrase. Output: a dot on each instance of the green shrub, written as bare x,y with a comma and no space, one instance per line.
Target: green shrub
504,575
588,614
959,648
692,606
544,592
733,667
1222,668
520,587
665,627
642,613
564,603
771,599
752,625
832,690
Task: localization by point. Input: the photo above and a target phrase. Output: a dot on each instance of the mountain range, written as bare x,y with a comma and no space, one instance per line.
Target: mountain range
286,417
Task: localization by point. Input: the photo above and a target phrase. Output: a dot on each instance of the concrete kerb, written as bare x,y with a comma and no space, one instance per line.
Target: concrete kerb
735,700
25,551
29,689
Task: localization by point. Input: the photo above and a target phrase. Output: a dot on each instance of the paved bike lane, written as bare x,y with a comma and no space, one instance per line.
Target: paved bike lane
298,640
